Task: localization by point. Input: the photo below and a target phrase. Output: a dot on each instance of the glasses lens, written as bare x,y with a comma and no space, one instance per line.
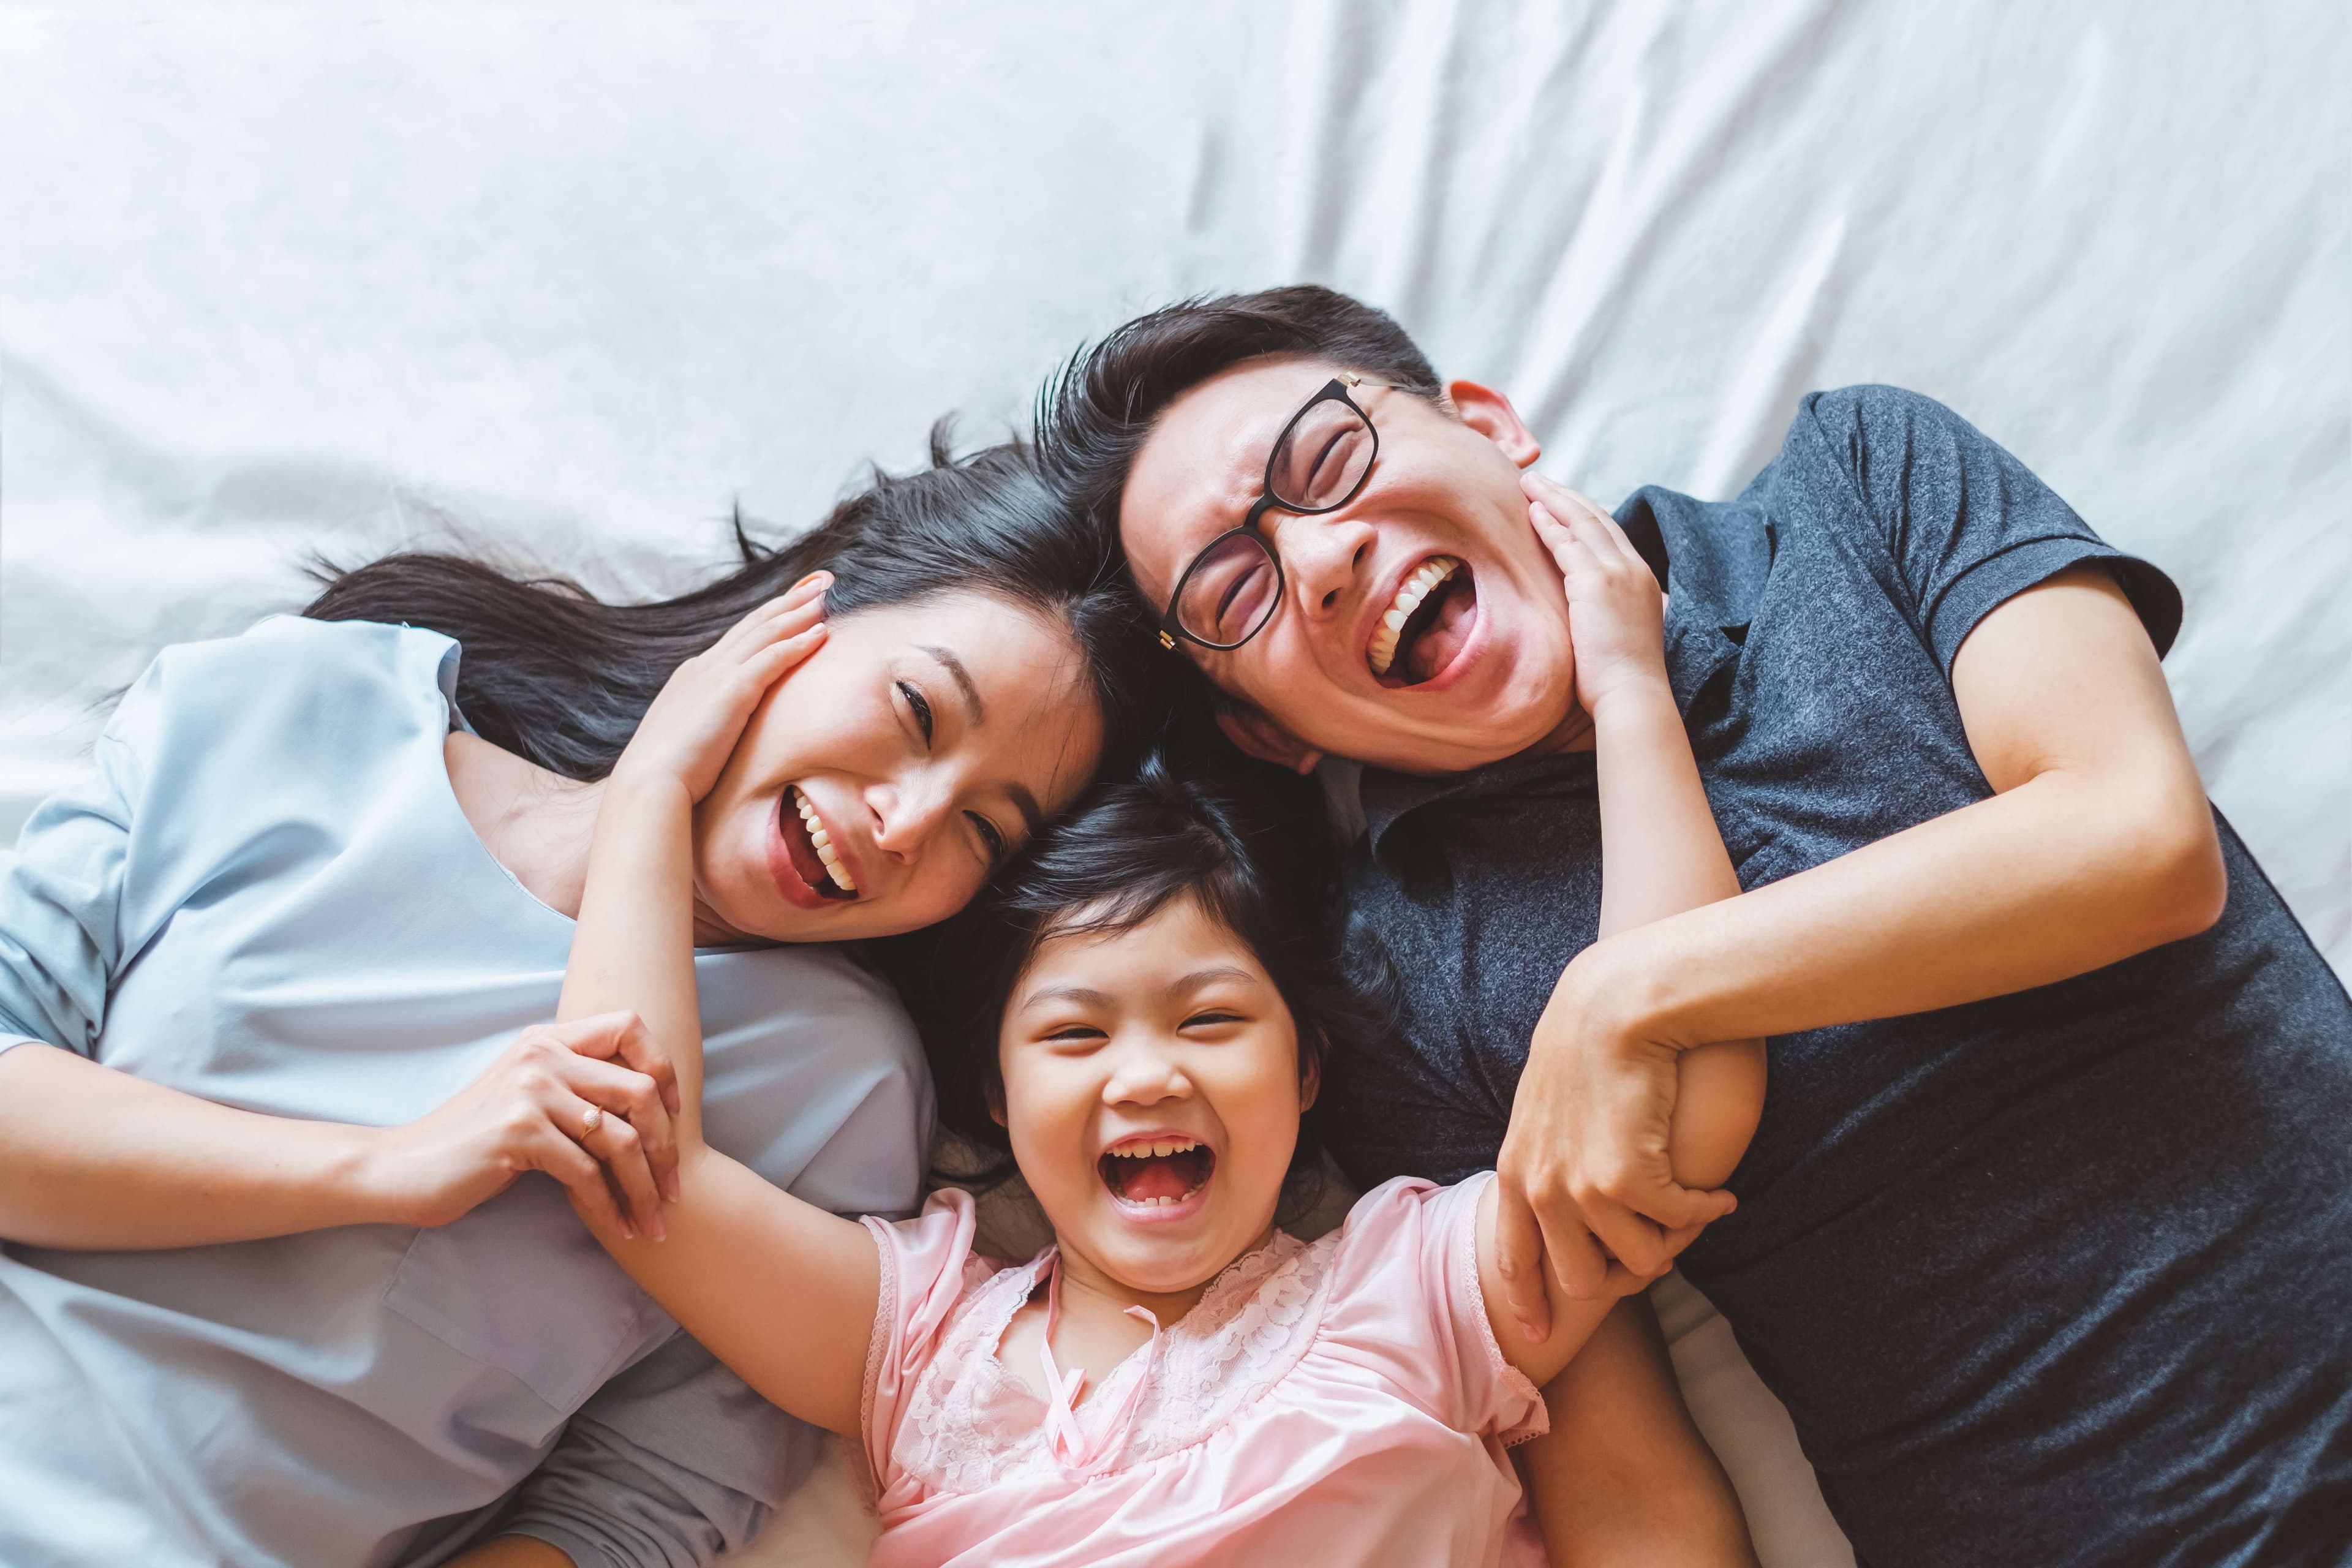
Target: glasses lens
1322,458
1230,590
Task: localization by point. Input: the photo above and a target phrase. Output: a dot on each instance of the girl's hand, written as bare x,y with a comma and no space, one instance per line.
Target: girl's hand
693,725
578,1100
1616,614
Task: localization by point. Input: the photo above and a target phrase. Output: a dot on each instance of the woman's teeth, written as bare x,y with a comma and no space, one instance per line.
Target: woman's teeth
825,852
1418,585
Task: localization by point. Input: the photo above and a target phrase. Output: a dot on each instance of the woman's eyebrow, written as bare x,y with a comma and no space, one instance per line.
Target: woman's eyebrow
962,677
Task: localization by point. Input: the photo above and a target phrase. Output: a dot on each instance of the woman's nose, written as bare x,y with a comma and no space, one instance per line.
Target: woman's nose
908,810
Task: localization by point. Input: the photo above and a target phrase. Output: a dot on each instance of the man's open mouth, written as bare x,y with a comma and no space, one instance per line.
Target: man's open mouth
1426,623
810,845
1157,1173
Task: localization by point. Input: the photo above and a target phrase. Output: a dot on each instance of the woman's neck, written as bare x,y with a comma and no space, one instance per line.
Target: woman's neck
539,825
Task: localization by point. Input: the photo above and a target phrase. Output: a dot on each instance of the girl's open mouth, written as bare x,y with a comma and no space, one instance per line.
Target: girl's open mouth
1157,1173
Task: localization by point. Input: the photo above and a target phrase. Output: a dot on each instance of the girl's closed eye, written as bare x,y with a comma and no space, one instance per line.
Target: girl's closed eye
992,838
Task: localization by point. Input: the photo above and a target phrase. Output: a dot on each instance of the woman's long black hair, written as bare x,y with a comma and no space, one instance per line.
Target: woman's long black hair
1260,865
560,677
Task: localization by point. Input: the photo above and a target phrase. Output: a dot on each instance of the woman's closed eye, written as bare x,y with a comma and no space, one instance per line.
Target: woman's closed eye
920,707
992,838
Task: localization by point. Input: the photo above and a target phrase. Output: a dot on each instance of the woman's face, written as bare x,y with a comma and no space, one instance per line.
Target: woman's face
1152,1096
880,782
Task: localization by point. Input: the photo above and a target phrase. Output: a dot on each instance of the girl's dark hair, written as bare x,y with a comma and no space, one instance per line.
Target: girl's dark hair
562,677
1256,863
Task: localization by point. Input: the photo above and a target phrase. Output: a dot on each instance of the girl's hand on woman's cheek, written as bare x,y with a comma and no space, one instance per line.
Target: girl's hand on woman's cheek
1616,614
694,724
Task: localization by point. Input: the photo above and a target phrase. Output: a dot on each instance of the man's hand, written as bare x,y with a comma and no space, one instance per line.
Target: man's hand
1585,1181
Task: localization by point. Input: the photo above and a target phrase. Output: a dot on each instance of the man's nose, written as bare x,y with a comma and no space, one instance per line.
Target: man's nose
1322,557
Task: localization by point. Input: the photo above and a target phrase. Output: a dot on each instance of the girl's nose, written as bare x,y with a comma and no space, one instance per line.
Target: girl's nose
1144,1076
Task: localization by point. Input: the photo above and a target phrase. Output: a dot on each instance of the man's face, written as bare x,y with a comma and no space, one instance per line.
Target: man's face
1482,666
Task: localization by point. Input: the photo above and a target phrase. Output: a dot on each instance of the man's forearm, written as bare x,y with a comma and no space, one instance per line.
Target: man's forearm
93,1158
2060,876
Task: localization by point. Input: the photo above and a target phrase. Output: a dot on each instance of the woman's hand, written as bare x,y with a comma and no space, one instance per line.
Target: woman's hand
1616,614
577,1100
693,725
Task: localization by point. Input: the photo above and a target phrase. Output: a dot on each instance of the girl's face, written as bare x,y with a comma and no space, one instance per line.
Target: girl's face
880,782
1152,1095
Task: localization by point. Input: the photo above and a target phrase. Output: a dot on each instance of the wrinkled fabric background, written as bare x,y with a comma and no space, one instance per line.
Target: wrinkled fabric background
565,283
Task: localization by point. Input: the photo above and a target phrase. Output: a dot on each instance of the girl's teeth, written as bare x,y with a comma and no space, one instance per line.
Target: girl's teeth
1409,593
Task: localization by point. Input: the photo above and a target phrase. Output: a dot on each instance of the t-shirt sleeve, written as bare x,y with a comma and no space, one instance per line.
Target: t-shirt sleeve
1406,1294
923,1262
1967,525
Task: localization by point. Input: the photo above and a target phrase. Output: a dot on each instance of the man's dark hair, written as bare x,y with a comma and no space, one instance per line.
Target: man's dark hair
1093,417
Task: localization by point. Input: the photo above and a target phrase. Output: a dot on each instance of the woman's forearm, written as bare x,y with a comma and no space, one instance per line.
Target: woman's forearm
96,1159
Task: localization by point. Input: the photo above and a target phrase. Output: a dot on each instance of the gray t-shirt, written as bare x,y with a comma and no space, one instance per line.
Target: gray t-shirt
268,896
2057,1277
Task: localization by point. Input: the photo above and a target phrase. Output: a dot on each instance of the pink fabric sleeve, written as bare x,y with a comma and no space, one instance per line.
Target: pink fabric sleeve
922,1279
1406,1289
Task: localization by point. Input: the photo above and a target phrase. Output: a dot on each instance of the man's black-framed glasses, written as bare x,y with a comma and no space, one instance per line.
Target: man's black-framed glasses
1318,464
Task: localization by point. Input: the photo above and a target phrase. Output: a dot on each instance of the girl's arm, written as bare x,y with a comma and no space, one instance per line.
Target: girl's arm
779,1290
1661,854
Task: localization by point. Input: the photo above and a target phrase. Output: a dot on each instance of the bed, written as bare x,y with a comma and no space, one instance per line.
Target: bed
567,284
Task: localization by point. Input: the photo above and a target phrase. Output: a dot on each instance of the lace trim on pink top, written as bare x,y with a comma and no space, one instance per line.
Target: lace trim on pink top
1251,1325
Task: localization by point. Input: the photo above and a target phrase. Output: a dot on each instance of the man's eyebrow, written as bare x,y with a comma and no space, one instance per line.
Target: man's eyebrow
965,682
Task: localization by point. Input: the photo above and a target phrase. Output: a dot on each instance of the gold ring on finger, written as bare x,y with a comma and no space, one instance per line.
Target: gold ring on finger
592,1120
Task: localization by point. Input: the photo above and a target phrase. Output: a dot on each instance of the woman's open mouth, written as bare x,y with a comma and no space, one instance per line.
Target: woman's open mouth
1157,1177
1426,626
809,846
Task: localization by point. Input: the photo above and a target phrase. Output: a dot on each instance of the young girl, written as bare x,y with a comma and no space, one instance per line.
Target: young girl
1175,1380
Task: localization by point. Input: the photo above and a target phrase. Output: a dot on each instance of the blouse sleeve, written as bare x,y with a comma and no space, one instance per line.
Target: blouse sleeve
62,934
1407,1292
923,1263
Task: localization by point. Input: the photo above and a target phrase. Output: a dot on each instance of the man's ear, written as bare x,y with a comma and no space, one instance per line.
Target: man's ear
1247,725
1490,414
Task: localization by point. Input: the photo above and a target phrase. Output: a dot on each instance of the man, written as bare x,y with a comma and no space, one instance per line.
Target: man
2046,1234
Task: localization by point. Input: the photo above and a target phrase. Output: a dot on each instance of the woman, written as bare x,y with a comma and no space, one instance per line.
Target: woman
269,1070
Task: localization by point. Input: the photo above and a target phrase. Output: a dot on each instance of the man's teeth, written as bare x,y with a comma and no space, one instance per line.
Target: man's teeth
1418,585
833,865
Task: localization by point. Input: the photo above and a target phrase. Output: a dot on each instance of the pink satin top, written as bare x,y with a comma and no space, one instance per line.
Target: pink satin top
1341,1401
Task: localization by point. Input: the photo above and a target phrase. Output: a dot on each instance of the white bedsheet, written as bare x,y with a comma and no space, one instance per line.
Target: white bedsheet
566,281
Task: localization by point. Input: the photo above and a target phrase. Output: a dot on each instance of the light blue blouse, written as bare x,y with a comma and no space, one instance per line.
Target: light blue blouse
268,896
